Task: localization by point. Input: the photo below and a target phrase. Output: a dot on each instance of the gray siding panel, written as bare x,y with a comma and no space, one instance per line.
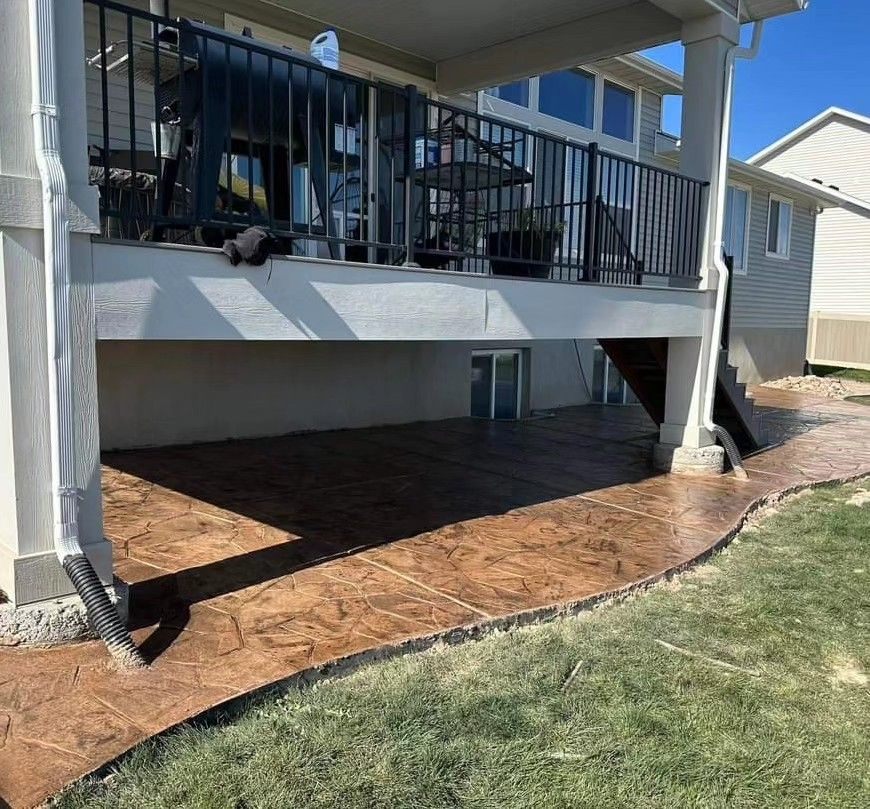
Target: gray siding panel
775,292
650,123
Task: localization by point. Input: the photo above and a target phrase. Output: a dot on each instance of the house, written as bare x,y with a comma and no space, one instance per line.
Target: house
618,103
831,150
428,261
771,226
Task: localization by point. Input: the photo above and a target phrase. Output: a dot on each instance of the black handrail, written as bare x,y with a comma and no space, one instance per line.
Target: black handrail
248,133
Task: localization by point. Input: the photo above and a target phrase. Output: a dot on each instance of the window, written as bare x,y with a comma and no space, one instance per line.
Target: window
496,384
608,385
569,95
618,116
517,92
736,235
779,215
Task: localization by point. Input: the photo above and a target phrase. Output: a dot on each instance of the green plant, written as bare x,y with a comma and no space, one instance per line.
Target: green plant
540,220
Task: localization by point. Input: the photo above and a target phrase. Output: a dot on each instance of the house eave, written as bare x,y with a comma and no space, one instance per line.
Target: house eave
805,128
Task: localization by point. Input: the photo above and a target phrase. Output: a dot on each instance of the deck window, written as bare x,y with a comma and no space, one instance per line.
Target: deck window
618,116
496,384
517,92
736,235
779,216
568,95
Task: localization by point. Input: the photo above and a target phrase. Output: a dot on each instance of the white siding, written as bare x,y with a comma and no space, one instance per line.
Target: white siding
775,292
841,278
837,153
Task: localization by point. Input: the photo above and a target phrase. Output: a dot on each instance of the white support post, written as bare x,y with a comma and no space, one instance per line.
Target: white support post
29,569
707,43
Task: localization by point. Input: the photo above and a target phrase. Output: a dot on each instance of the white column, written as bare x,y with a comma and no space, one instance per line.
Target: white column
29,571
707,41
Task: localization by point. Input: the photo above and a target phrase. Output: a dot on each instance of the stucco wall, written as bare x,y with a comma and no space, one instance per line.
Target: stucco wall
761,354
173,392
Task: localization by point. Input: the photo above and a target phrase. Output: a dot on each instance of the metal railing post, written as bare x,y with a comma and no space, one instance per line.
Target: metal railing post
590,243
726,319
410,145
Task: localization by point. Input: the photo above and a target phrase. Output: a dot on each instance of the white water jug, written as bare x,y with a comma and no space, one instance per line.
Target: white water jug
324,48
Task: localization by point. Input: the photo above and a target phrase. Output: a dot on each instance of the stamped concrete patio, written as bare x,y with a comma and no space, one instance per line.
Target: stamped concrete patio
251,561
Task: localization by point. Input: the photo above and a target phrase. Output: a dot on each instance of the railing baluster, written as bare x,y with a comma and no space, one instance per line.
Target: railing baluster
619,218
104,92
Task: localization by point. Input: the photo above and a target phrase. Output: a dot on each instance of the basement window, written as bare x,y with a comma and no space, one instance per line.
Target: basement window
608,386
496,384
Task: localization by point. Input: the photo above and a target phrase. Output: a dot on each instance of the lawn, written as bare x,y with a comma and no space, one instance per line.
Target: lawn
741,684
852,374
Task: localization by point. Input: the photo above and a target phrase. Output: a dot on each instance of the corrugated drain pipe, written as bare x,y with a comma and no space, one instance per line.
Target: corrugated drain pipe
57,257
718,224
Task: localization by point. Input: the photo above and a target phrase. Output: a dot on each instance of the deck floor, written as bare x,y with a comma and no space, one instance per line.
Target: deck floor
250,561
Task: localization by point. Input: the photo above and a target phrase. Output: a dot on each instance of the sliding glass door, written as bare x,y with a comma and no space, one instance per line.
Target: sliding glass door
496,384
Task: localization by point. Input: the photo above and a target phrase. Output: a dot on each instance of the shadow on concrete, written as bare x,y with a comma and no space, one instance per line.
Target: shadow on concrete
340,492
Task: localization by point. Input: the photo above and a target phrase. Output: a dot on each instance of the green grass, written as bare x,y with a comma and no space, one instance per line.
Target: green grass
492,724
852,374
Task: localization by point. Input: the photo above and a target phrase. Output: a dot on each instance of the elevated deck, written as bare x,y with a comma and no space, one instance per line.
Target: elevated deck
162,292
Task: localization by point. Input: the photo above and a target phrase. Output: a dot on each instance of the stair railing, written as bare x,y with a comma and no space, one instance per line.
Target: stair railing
611,240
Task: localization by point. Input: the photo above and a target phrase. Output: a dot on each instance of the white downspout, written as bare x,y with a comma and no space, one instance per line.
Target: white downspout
58,272
57,259
718,225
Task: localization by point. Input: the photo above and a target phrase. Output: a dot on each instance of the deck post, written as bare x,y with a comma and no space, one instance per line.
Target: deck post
707,41
31,579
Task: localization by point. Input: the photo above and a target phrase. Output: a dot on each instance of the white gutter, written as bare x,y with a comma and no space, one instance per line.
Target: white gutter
55,215
718,224
57,258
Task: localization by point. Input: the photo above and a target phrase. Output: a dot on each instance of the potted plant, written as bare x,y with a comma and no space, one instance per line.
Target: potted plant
525,247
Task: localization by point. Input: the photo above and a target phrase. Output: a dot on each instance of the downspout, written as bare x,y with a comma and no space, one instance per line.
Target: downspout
57,257
718,223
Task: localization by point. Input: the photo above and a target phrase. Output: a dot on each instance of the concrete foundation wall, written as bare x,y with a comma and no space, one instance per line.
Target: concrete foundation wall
764,354
154,393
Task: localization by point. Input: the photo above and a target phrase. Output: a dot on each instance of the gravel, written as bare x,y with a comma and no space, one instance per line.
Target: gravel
831,387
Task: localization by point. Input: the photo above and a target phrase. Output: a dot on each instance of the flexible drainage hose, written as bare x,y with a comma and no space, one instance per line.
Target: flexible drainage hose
731,451
101,612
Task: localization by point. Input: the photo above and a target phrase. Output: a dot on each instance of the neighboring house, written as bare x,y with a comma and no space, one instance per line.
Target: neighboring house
431,260
770,222
833,150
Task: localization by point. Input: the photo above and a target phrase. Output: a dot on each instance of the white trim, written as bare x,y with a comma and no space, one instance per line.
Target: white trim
744,269
804,128
655,70
767,252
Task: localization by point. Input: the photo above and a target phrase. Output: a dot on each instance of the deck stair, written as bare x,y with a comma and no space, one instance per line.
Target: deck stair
643,364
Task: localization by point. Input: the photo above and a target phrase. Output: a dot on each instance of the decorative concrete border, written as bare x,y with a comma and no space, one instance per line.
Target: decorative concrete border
344,666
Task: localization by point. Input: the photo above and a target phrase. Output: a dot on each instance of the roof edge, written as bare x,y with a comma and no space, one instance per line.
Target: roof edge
800,131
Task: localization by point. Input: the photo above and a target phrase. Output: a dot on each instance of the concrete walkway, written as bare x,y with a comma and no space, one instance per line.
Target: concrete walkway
251,561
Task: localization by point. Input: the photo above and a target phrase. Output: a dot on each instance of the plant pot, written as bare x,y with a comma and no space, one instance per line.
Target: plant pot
522,253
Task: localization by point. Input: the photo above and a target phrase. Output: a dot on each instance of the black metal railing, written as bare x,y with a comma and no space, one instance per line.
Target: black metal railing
198,133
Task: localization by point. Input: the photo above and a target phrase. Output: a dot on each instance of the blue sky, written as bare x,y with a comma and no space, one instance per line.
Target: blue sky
807,63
